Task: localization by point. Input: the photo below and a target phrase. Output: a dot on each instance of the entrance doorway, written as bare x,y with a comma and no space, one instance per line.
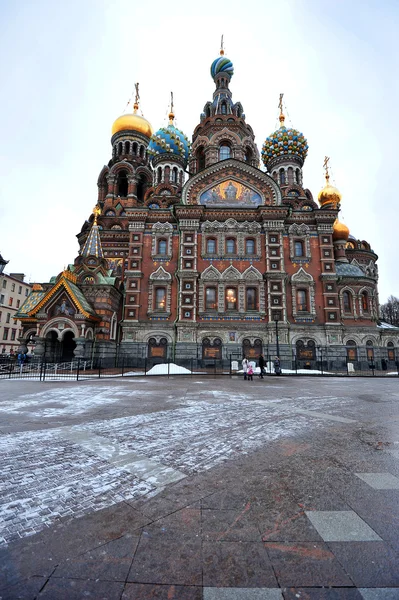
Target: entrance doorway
68,346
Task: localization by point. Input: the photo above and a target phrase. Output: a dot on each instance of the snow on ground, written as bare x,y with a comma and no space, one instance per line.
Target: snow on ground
170,369
73,470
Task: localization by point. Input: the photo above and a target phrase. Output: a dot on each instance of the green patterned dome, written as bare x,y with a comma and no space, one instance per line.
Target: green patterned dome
284,142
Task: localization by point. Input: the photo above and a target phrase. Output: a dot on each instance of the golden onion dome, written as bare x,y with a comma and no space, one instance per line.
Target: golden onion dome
340,231
329,195
132,122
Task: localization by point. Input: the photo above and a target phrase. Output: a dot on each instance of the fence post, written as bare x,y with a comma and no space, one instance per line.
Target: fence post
192,367
321,359
99,368
296,365
230,366
168,367
44,370
123,364
77,370
347,367
145,367
11,367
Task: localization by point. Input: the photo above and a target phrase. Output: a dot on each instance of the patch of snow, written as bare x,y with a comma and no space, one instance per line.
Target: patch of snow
170,368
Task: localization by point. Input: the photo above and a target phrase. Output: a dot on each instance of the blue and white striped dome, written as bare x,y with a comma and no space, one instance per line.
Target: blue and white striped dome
169,140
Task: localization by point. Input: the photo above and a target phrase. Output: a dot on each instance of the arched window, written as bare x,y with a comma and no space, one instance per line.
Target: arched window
210,298
159,175
141,187
230,246
120,148
211,246
290,171
282,177
162,245
251,298
365,302
248,155
122,185
127,147
160,298
347,302
200,158
298,248
135,147
174,174
231,299
249,246
223,108
142,151
224,152
207,111
112,334
298,176
351,350
391,351
301,301
370,351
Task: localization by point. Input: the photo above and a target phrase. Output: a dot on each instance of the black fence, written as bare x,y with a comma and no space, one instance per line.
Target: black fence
129,366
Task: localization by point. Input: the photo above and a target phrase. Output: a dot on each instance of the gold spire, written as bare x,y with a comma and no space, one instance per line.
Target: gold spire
96,213
221,47
280,105
171,114
136,99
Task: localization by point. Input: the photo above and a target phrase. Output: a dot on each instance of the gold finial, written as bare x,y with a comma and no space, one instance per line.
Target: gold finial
325,165
280,105
171,114
136,99
221,47
96,213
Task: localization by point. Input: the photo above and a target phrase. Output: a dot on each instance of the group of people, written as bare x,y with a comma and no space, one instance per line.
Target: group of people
248,368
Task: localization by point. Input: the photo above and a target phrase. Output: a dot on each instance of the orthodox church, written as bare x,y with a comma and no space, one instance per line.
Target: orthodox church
193,250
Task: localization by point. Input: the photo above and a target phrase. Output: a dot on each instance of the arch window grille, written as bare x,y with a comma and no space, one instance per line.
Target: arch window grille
141,183
224,152
230,246
249,246
210,298
135,147
347,302
297,176
248,155
159,175
302,300
201,159
282,177
162,247
231,299
365,302
298,249
160,298
223,108
370,351
120,148
391,351
211,246
251,298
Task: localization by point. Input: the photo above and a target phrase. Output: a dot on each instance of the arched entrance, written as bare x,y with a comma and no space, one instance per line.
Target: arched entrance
68,346
157,349
252,351
53,350
211,350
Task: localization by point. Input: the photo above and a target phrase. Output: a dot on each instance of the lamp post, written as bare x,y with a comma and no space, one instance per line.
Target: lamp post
276,315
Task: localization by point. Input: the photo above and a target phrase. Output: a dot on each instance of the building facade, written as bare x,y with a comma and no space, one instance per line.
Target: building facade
13,293
193,250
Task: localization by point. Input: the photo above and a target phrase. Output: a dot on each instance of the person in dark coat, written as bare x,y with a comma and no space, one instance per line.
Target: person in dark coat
261,363
277,366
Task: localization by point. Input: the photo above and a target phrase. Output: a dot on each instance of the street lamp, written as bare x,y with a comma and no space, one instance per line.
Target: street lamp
276,316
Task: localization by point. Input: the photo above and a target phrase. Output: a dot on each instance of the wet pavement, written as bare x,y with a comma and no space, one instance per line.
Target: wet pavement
200,489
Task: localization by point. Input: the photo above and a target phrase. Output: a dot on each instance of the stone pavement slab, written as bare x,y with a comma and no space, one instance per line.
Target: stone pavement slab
183,489
380,481
341,526
380,593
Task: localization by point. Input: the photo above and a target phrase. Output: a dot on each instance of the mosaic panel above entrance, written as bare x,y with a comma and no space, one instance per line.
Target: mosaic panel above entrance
230,193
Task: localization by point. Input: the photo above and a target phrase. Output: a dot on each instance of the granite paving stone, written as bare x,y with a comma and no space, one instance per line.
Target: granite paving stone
230,525
143,591
242,594
231,564
306,564
369,564
380,593
76,589
321,593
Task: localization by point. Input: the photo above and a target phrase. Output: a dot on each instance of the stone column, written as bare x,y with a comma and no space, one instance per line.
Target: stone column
40,345
80,347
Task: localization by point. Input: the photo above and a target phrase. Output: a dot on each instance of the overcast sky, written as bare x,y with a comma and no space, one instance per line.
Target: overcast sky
68,70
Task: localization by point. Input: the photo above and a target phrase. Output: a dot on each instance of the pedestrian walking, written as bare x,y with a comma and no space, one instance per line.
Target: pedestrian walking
250,372
261,364
245,366
21,359
277,366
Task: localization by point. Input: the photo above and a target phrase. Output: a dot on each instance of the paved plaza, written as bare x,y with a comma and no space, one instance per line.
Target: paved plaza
200,488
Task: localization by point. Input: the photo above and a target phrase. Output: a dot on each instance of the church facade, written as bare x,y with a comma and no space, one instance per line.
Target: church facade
193,250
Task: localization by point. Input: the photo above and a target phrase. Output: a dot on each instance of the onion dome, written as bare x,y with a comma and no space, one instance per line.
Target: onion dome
169,140
284,142
340,231
329,196
133,122
222,64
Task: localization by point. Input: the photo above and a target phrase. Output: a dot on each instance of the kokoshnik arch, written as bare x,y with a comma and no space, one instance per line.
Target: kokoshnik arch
192,250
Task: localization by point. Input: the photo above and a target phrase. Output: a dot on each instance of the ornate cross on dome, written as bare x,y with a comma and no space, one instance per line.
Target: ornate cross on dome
137,97
221,46
171,114
325,165
280,105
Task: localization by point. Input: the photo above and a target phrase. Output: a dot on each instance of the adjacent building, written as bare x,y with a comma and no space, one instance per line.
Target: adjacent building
13,293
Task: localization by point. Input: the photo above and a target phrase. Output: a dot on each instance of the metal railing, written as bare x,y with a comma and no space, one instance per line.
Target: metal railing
129,366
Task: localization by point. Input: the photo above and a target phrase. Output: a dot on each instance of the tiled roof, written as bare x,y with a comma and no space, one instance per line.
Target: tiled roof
347,270
32,300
